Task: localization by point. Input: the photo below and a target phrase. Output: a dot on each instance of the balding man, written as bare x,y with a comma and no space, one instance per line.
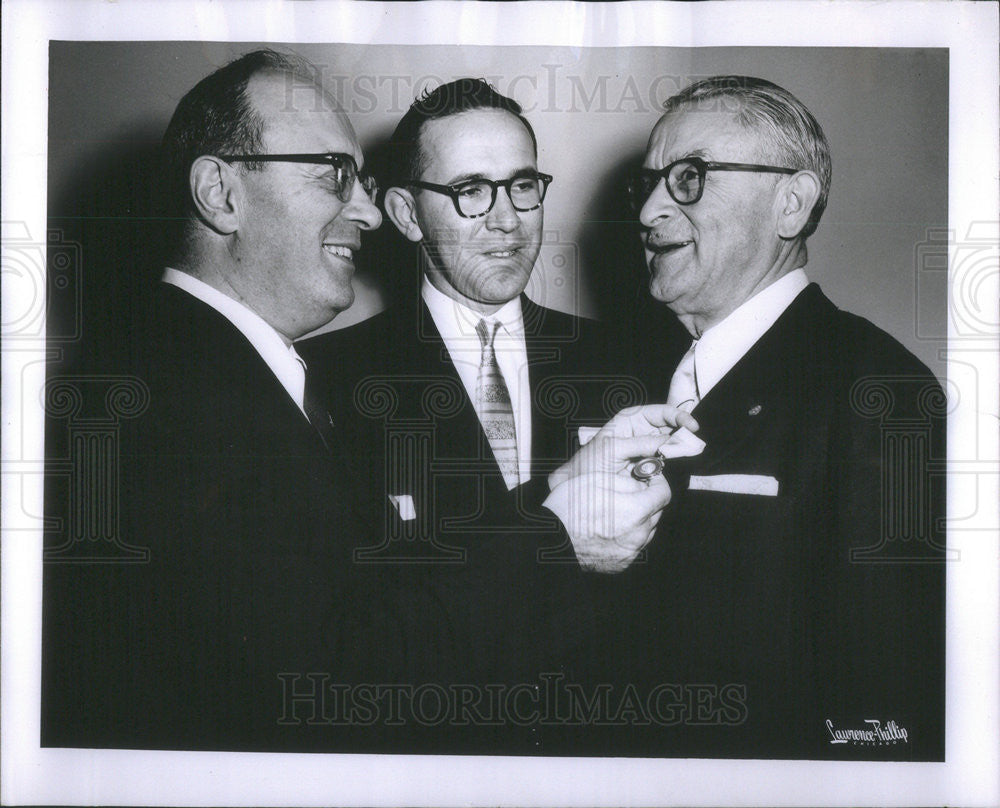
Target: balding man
231,484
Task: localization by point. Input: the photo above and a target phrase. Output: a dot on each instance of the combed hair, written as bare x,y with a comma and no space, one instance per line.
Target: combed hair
217,117
406,157
788,132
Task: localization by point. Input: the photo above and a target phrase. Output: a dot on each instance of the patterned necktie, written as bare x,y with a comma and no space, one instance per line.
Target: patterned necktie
684,383
493,405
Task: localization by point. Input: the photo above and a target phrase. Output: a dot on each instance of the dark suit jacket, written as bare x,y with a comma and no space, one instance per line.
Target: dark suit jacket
505,571
782,620
224,573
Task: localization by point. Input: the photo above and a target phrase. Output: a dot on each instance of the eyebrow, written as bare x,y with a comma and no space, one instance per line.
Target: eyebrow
704,155
527,171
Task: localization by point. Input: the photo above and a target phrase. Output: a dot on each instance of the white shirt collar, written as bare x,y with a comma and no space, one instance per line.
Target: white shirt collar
724,344
457,325
281,357
456,320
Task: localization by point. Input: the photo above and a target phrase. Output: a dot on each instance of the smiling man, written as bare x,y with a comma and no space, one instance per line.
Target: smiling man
234,510
802,560
467,191
471,388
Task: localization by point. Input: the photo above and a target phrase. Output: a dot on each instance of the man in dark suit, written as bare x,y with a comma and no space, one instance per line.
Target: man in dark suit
471,388
224,576
465,188
793,594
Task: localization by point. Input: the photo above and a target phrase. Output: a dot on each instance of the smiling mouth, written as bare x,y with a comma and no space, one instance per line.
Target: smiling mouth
340,251
666,249
503,253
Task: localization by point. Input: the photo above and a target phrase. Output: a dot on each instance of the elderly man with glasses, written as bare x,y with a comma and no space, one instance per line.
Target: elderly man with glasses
793,592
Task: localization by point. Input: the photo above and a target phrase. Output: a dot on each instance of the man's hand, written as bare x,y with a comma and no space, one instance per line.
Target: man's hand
634,433
609,517
651,419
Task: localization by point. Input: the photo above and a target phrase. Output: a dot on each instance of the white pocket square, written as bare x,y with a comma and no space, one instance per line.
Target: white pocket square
758,484
404,506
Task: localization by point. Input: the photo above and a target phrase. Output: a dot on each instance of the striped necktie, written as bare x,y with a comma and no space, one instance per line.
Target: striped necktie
493,406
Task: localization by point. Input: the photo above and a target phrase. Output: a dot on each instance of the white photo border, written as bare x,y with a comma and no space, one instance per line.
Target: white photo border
29,774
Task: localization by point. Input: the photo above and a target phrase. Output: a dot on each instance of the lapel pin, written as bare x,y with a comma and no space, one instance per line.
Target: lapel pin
755,410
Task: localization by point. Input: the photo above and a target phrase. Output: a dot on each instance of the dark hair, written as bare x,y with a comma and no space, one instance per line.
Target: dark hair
217,117
406,157
788,132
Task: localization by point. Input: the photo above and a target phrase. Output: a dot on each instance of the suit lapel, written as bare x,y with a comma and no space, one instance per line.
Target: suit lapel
733,412
542,336
268,413
431,356
760,387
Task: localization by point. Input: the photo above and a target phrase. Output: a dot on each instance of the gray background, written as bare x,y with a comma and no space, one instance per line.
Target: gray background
885,112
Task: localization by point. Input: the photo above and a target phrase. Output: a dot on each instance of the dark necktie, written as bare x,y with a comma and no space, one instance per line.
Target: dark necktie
317,413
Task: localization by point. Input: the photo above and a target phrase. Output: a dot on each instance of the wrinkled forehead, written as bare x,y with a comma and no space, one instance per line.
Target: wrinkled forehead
711,134
300,117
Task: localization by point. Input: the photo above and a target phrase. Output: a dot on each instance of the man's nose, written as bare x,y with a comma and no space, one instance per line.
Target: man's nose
361,210
502,215
658,205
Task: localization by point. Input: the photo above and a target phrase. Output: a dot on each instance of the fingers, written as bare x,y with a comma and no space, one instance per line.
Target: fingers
648,419
618,451
607,454
563,473
653,497
634,502
609,518
686,420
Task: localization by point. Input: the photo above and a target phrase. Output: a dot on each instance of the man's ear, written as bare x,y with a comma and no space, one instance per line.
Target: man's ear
402,209
215,191
795,202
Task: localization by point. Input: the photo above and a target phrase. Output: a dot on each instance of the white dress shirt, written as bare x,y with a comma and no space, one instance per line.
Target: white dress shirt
457,325
279,355
727,342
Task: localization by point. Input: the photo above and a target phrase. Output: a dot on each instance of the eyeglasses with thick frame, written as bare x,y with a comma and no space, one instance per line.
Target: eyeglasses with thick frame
685,179
468,197
343,164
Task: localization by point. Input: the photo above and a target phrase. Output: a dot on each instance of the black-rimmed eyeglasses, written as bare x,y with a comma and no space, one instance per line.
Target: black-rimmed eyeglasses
476,198
345,169
685,179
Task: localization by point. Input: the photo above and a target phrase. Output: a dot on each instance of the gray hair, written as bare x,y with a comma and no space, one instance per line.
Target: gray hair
787,130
